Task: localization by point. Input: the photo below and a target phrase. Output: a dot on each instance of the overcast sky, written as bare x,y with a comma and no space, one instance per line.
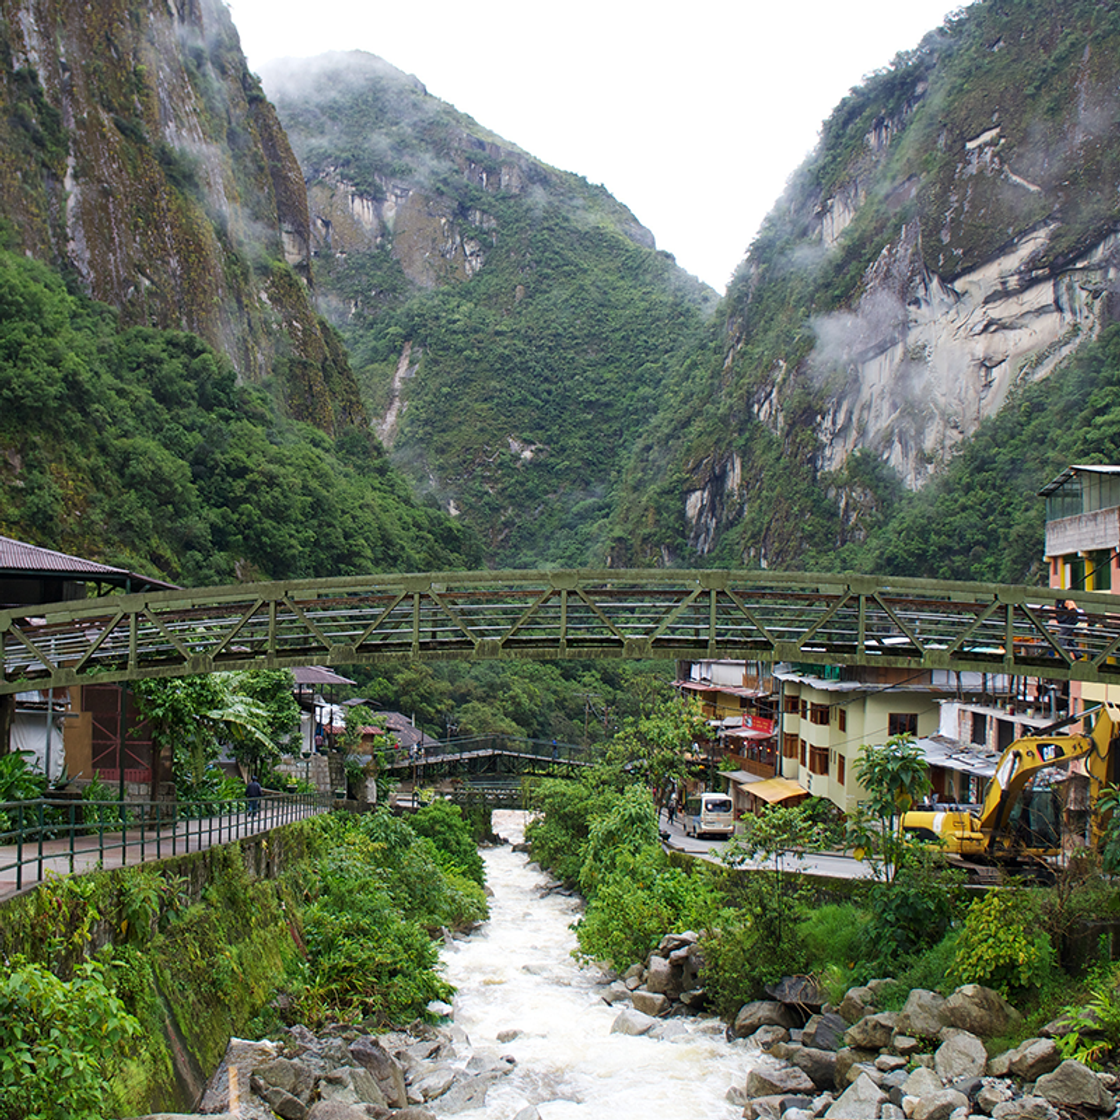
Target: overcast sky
693,114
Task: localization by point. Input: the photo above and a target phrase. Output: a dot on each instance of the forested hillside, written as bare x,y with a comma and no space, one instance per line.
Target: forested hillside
512,326
951,241
139,447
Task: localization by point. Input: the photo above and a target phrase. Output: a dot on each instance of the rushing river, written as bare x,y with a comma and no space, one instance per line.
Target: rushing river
516,973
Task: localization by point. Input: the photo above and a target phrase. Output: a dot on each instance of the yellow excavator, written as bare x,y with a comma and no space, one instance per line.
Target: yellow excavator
1028,810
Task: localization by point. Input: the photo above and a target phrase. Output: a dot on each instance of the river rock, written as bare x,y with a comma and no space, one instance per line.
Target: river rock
467,1094
631,1021
800,991
650,1003
290,1076
980,1011
824,1031
960,1055
768,1080
1074,1085
766,1037
281,1102
434,1083
904,1044
939,1106
761,1013
1025,1108
819,1065
336,1110
860,1101
857,1003
668,1029
1033,1058
244,1055
615,992
371,1055
847,1059
663,977
922,1016
993,1093
872,1032
351,1085
922,1083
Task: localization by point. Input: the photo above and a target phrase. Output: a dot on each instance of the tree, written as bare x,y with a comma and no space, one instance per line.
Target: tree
658,747
895,776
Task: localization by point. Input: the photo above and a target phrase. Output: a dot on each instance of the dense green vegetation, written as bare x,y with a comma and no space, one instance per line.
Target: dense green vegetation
918,926
140,448
100,965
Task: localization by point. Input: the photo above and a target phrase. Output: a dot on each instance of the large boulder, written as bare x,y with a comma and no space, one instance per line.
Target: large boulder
368,1053
824,1031
961,1055
872,1032
860,1101
662,977
923,1014
762,1013
1025,1108
922,1082
766,1080
939,1106
857,1002
1074,1085
632,1021
979,1010
848,1059
649,1003
800,991
1032,1059
767,1037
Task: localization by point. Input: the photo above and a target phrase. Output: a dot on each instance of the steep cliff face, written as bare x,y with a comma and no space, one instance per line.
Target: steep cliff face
512,326
139,155
952,239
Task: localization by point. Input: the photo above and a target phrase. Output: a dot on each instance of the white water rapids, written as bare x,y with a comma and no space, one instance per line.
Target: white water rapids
516,973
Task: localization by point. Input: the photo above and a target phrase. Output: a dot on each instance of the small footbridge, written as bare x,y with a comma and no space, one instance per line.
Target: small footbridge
488,757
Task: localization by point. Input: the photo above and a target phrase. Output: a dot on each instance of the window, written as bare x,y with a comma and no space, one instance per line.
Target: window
818,714
804,708
1100,565
804,760
818,760
841,719
789,746
840,768
790,705
902,723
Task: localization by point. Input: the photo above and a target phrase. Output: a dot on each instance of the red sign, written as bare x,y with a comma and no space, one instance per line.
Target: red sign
757,723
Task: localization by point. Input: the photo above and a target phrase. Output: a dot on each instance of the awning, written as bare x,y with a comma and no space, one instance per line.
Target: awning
774,790
747,733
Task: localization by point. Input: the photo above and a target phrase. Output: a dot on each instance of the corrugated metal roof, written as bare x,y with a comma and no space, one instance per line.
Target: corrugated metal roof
318,674
1069,472
17,556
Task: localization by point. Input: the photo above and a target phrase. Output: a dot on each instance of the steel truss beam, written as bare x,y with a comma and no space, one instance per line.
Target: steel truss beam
766,616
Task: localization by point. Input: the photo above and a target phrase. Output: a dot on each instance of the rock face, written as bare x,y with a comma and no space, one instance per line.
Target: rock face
158,176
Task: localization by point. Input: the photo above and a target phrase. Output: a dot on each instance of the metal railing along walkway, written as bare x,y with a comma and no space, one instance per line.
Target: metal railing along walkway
818,619
62,837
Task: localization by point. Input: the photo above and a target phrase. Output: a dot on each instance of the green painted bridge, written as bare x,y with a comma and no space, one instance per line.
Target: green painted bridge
550,615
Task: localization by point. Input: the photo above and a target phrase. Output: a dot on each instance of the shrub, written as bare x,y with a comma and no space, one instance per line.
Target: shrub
1002,945
55,1033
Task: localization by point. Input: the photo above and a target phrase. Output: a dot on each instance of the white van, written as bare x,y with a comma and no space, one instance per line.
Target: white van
709,814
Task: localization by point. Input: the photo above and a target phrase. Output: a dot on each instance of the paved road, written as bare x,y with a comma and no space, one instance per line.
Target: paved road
828,864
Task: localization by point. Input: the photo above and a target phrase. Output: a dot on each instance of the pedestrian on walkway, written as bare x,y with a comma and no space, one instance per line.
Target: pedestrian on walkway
253,793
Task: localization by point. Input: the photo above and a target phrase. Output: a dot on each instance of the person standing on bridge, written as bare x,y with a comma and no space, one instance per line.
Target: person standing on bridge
253,793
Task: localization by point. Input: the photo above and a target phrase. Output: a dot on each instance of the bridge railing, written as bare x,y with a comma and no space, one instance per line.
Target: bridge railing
56,836
477,745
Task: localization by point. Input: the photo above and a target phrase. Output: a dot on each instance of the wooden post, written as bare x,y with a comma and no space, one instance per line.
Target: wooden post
7,717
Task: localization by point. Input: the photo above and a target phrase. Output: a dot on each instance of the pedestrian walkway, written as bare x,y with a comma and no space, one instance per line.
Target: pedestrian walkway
82,849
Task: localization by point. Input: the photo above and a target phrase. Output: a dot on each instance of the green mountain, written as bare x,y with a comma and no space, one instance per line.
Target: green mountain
935,263
511,325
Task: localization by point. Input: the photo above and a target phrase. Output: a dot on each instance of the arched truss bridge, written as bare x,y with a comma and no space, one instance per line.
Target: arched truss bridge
549,615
